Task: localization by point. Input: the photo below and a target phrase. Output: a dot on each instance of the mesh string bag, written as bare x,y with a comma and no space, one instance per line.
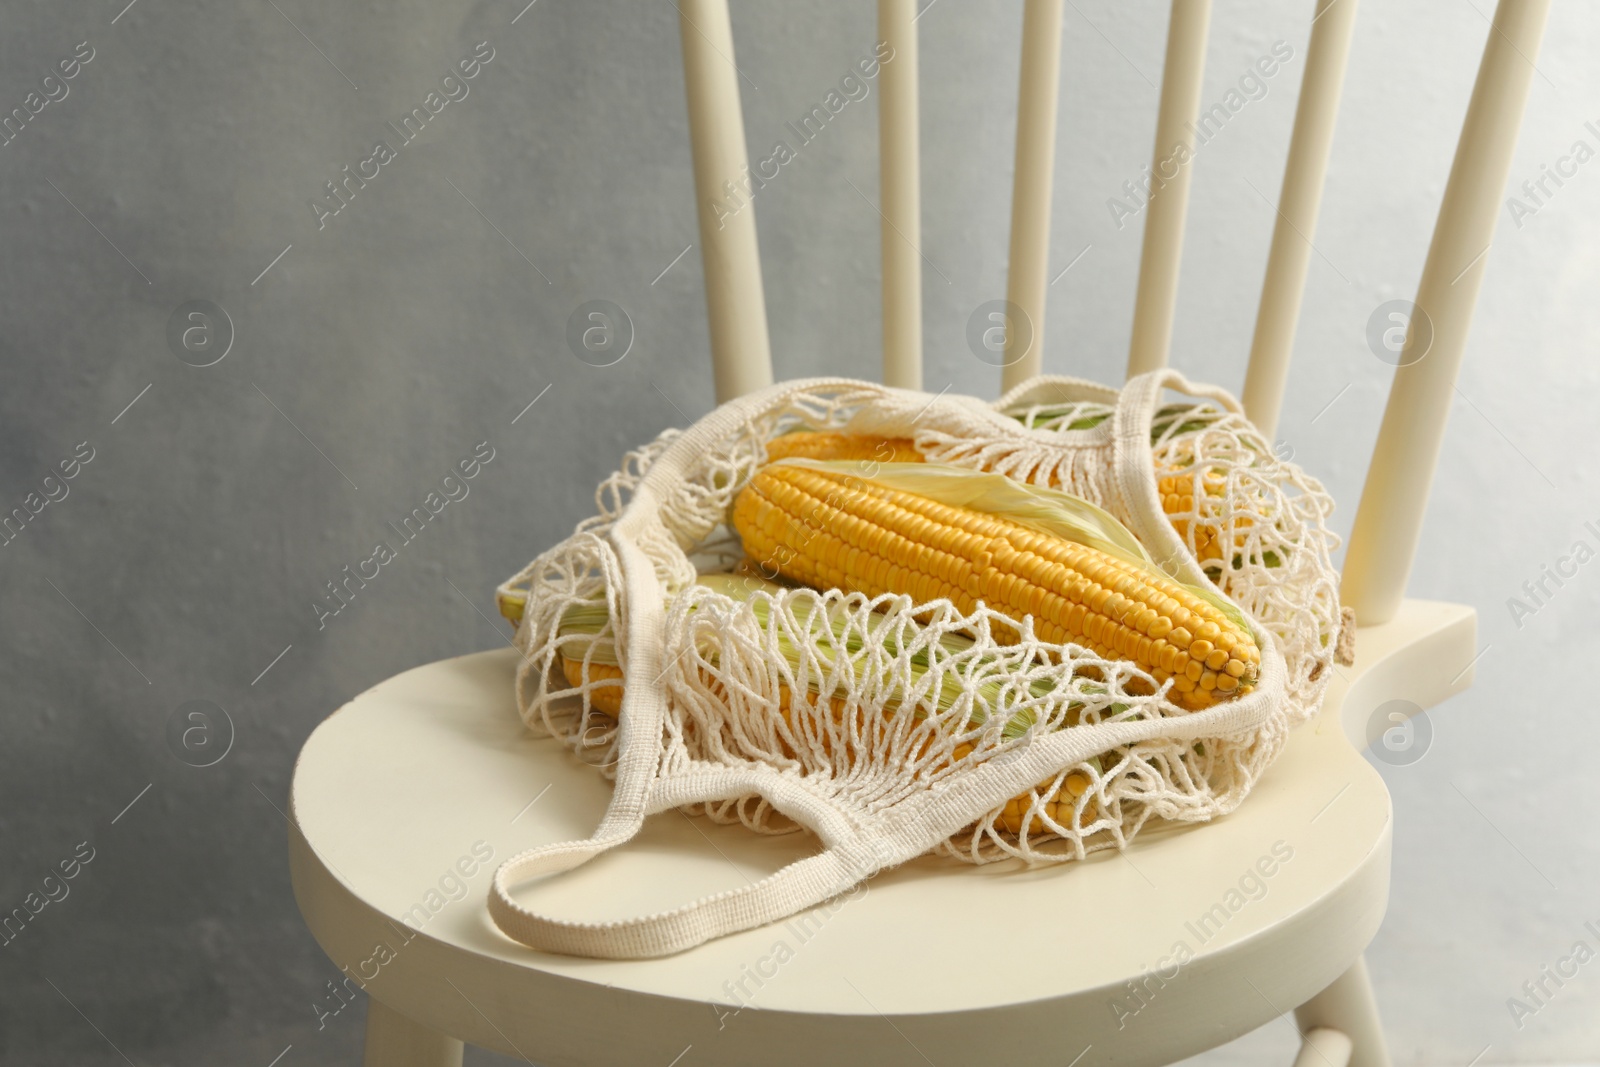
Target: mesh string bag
892,729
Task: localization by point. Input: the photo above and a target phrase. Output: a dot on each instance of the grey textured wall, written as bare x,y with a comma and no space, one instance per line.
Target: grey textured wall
385,342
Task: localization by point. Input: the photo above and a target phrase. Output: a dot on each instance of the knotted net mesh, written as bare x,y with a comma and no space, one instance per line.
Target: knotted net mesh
875,700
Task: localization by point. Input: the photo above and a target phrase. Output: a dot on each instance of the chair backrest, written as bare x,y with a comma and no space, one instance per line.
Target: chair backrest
1389,518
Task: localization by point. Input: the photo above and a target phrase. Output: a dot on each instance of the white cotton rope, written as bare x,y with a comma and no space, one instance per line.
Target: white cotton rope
704,673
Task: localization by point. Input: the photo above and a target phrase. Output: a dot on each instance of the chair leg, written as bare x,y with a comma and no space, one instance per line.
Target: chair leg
394,1040
1324,1048
1348,1006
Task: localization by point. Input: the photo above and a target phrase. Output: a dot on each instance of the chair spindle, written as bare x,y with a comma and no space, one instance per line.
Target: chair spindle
900,195
741,356
1388,521
1169,193
1303,178
1026,281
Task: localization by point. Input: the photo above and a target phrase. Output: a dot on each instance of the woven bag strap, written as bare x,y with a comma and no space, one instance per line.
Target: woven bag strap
637,790
1133,466
847,858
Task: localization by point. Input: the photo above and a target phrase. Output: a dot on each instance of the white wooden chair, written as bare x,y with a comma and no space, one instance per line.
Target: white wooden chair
406,798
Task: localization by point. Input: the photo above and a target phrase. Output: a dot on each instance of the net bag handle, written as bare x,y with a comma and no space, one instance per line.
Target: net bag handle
640,726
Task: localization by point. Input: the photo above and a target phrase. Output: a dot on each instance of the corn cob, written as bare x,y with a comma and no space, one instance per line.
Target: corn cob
606,698
586,626
1176,490
511,603
831,529
1178,501
821,444
799,444
1058,805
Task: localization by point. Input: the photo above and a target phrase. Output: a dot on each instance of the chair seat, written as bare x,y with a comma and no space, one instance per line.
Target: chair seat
406,799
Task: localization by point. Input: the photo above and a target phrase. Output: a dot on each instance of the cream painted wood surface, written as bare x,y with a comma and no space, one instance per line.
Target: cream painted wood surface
900,196
1342,1020
1298,203
1324,1048
741,357
394,1040
1156,300
1027,272
400,794
1388,525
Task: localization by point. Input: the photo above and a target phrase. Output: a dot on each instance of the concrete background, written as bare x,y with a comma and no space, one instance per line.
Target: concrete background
378,349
